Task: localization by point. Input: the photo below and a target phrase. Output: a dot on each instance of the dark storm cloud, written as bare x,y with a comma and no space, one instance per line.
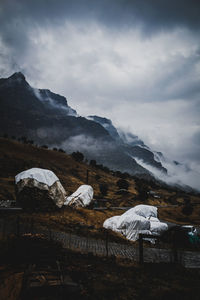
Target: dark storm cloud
19,17
151,14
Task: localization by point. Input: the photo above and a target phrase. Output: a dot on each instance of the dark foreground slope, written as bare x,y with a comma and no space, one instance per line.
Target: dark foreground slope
90,277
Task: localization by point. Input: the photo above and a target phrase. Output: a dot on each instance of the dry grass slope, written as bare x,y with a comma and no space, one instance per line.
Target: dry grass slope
16,157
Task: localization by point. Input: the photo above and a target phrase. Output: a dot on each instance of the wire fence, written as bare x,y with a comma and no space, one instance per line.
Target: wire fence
100,247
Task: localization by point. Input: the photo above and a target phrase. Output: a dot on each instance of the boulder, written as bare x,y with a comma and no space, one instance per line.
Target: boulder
39,189
81,197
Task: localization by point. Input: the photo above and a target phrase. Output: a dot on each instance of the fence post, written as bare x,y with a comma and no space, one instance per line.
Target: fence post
175,252
18,226
87,242
107,243
4,227
141,256
70,237
31,226
50,237
87,177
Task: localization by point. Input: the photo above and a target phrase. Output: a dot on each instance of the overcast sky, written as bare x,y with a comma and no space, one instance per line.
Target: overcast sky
135,62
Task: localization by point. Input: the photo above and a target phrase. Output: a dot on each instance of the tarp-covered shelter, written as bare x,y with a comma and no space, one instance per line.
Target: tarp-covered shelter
81,197
39,189
139,219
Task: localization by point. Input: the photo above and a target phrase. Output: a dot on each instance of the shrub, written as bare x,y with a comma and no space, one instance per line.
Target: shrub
93,163
97,177
123,184
142,188
24,139
103,187
74,172
187,210
106,169
122,175
78,156
118,174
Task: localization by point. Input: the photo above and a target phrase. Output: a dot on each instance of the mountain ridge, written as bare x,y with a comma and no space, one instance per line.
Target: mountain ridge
24,113
136,149
47,119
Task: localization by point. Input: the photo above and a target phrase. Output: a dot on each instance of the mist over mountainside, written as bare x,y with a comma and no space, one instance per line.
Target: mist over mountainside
161,166
130,143
46,118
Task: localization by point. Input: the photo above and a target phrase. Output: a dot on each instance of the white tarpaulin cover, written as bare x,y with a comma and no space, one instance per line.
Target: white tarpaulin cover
39,188
134,221
41,175
111,223
142,210
81,197
158,227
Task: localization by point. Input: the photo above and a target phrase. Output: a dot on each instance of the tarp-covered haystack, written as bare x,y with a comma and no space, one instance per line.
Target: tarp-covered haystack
81,197
139,219
39,189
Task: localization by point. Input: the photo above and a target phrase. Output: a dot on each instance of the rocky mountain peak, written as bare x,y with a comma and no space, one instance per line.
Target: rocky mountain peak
18,76
101,120
16,80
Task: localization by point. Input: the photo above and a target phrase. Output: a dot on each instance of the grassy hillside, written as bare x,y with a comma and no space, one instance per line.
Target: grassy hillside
16,157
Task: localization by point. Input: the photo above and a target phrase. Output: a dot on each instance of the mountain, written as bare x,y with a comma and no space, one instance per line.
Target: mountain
46,118
107,124
131,144
35,112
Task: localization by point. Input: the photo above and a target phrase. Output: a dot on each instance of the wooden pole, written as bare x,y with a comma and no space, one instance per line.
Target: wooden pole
18,224
32,226
50,237
4,227
141,256
175,252
87,242
70,237
87,176
106,243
